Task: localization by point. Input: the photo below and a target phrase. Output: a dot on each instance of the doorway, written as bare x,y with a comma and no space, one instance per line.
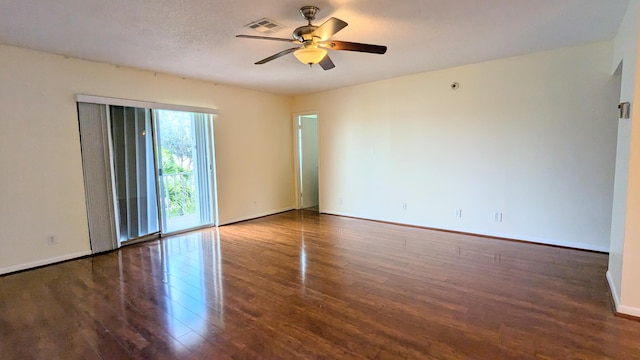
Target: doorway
306,140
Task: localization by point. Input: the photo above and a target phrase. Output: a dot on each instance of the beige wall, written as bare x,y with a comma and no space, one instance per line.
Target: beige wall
625,227
42,190
532,137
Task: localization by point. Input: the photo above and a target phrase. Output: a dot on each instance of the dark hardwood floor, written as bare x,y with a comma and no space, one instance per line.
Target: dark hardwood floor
300,285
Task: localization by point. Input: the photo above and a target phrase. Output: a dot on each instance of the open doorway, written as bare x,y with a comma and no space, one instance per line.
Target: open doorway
306,156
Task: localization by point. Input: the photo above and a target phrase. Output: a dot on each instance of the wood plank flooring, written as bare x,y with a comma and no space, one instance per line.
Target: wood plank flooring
301,285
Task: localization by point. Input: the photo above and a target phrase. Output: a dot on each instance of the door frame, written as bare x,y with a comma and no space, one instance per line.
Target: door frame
296,156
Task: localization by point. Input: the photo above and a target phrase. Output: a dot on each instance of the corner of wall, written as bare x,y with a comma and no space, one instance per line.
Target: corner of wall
613,290
625,53
619,308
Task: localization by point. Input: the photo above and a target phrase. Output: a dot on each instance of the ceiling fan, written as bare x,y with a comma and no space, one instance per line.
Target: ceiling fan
314,41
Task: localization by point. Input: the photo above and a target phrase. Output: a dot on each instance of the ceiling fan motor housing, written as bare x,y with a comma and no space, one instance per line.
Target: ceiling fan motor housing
303,33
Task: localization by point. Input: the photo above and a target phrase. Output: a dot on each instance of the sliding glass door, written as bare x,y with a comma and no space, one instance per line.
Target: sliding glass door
185,169
147,171
176,187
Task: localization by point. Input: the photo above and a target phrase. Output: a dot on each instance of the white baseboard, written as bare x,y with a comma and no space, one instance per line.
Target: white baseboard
628,310
621,309
567,244
614,292
43,262
255,216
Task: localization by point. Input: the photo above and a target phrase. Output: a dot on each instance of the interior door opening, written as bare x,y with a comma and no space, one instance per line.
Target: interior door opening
307,161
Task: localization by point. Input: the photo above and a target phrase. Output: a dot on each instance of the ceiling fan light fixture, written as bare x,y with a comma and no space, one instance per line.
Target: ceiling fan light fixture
310,55
314,40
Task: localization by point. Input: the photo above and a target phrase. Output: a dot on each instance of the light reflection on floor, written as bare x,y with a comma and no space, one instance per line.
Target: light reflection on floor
303,261
192,270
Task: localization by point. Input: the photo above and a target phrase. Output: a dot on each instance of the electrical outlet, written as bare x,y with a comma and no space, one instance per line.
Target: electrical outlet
51,240
497,217
404,206
458,213
340,201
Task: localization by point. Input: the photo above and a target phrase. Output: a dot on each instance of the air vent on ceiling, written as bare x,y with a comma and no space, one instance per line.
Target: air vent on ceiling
264,26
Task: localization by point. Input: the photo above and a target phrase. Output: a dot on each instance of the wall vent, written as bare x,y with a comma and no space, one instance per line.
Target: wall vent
264,26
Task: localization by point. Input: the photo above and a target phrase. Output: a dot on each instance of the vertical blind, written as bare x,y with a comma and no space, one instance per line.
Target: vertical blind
96,165
134,168
203,166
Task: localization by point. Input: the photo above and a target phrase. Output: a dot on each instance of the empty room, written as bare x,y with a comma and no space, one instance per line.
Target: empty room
335,179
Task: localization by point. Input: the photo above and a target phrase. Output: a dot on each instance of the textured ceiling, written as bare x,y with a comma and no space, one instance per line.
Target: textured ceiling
195,38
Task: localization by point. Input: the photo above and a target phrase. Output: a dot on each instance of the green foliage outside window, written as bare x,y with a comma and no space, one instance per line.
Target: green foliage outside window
179,186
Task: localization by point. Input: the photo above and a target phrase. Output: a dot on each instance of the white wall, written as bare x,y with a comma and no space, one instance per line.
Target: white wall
625,227
532,137
41,186
625,57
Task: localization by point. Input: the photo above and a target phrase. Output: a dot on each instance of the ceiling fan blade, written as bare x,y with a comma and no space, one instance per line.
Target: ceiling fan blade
275,56
329,28
351,46
267,38
326,63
